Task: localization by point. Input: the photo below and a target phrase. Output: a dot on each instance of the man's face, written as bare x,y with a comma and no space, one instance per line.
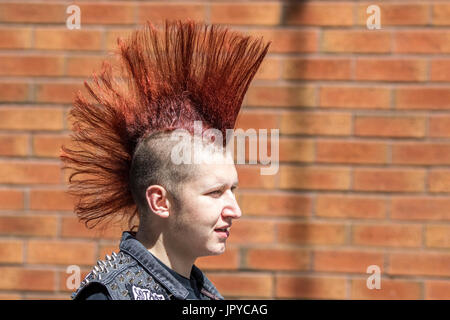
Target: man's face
207,202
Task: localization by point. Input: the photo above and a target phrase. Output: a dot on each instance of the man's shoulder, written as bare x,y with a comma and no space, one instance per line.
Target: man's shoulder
110,276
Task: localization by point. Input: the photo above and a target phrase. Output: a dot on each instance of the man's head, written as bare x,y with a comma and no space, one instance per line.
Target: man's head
188,203
169,78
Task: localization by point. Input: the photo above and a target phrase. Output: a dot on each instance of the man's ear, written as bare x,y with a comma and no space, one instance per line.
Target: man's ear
157,200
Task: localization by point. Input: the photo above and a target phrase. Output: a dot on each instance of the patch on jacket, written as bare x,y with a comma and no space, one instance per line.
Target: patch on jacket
145,294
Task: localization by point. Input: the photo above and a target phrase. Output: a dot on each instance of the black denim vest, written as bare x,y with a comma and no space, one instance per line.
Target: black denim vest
135,274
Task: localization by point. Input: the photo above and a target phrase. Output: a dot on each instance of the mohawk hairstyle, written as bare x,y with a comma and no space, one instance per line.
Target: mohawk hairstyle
186,72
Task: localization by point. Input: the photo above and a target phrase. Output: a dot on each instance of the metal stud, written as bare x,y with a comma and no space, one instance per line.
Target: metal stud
108,258
124,293
114,286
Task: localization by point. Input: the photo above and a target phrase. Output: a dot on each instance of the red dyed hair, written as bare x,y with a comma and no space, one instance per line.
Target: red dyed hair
185,72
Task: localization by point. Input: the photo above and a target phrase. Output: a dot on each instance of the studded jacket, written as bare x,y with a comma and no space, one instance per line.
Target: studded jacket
134,274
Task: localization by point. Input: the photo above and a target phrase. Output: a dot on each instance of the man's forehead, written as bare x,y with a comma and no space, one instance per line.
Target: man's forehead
207,174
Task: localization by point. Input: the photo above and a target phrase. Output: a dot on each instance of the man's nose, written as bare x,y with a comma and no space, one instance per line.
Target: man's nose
232,208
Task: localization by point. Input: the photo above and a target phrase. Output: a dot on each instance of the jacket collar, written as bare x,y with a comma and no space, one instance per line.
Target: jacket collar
133,247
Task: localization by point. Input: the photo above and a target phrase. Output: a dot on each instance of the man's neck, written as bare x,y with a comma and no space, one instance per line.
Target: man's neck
170,257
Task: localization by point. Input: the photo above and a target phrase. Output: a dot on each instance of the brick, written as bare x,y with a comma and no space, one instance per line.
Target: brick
83,66
29,173
288,40
49,145
65,39
252,231
351,152
52,92
275,205
356,41
31,118
437,236
355,97
391,69
10,296
390,126
314,178
441,14
389,235
226,261
33,12
396,14
11,251
28,225
296,150
107,13
420,208
344,206
440,70
301,287
352,261
285,96
309,123
439,126
423,98
49,199
390,290
11,199
71,227
393,180
157,12
243,284
311,233
60,252
246,13
269,69
278,259
15,38
418,41
13,145
32,66
257,120
19,278
316,69
40,296
421,153
437,290
319,14
422,263
438,180
14,92
251,177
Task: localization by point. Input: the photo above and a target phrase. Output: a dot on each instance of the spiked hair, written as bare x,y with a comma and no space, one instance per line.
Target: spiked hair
184,72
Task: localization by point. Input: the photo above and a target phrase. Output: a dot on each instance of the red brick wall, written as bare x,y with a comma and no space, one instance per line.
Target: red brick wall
364,120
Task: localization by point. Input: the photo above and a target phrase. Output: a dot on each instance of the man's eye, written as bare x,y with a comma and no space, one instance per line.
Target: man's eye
216,192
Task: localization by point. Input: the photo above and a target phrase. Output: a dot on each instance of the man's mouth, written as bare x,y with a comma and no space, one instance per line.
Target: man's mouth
224,232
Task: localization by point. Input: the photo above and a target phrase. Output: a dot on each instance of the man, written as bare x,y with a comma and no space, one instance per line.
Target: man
124,150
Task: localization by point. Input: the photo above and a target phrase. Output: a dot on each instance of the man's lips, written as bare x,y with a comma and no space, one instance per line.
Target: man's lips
225,232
